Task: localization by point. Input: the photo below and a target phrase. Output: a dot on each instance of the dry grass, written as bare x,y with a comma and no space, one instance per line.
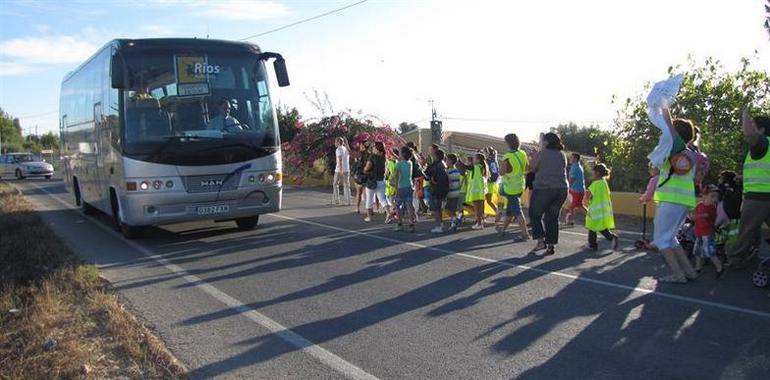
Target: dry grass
47,294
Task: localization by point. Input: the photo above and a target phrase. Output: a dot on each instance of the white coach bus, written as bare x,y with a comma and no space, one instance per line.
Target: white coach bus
160,131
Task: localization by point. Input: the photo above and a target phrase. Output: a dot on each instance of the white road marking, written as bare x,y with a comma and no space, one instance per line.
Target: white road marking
677,297
330,359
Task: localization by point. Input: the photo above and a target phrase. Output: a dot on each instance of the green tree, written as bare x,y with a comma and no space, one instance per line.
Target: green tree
289,120
713,99
405,127
50,141
10,133
591,141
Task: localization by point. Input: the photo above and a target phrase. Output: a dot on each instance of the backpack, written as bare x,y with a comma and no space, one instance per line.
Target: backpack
441,186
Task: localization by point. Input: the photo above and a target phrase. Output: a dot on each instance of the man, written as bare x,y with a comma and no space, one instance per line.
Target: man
756,189
577,189
341,171
223,121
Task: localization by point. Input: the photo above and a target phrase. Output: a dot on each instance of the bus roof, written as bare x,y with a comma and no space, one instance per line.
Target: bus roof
125,44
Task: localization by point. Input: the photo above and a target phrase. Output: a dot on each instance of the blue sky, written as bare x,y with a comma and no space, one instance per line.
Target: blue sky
532,64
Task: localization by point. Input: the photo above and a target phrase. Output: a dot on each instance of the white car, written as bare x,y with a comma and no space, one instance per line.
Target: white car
23,165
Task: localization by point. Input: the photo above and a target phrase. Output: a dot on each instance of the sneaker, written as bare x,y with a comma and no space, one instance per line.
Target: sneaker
550,250
477,227
615,243
721,273
673,279
388,220
367,219
437,230
588,247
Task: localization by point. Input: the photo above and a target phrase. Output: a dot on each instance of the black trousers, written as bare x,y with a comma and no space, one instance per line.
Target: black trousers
592,237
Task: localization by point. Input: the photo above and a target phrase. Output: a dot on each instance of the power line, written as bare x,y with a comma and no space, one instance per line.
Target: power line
519,121
38,115
305,20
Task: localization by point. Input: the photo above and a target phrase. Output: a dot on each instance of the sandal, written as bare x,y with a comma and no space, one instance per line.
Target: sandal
537,248
549,251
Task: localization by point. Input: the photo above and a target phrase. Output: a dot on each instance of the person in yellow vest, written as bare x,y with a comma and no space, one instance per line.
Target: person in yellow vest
477,188
390,188
756,189
513,169
598,203
675,196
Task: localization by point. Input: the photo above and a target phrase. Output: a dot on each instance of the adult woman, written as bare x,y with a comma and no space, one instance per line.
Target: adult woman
675,196
375,184
549,193
358,173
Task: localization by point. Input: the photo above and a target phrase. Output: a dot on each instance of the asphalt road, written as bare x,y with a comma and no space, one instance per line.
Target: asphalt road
315,292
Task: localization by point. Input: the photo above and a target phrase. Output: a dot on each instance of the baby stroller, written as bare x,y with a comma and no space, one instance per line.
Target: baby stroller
686,237
760,277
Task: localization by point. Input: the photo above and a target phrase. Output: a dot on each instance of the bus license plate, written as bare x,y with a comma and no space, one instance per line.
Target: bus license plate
208,210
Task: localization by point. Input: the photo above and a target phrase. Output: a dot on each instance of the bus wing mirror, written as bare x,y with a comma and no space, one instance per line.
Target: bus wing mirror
117,73
279,65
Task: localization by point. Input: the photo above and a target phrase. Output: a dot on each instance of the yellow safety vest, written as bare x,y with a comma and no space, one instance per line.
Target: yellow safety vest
390,168
514,182
756,173
477,186
679,189
600,216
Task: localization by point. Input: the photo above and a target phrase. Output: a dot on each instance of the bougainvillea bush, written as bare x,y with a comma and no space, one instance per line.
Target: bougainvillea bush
314,141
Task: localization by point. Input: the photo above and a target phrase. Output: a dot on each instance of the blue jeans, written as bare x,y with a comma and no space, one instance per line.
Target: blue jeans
544,208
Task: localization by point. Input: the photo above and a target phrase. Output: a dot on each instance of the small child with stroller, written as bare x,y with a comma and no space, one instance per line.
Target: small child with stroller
704,216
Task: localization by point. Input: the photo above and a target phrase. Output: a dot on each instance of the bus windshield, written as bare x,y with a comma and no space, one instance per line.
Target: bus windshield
181,107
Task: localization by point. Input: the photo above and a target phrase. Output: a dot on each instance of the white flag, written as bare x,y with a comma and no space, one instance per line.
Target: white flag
662,95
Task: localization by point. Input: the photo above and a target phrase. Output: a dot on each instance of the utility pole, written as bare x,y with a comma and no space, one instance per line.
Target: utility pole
435,125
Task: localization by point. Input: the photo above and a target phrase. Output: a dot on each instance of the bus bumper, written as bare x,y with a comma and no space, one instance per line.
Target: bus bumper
145,209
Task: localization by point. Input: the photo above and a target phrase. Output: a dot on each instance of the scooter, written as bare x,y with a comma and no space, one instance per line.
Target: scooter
644,243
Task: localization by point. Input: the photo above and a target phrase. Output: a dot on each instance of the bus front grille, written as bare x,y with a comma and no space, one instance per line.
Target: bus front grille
211,183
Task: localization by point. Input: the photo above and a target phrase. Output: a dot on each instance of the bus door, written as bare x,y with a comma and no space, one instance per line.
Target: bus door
98,180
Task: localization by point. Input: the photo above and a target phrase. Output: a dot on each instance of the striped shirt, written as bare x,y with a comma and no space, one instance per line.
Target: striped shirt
454,183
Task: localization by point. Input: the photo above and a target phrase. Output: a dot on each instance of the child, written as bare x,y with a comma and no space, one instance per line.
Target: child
477,188
704,216
651,185
390,189
494,174
439,185
454,197
599,217
404,193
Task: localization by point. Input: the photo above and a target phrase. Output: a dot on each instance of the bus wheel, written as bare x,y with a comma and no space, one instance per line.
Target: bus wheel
131,232
247,223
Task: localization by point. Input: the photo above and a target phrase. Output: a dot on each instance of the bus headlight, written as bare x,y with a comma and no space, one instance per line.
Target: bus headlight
270,178
169,184
144,185
157,184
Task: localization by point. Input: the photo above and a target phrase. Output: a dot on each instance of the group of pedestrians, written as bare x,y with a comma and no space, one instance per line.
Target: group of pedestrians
404,184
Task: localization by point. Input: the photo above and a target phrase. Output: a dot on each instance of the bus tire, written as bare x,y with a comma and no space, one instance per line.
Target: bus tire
247,223
128,232
131,232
